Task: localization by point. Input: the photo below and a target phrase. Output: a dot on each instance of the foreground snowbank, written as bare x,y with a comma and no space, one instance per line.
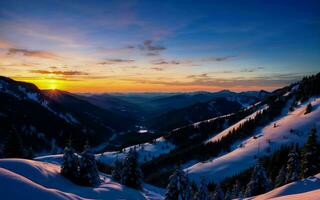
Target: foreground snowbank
292,127
27,179
307,189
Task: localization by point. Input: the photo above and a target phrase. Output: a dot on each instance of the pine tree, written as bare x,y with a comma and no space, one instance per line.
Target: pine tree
259,182
117,170
228,195
235,193
310,155
70,162
203,193
88,170
293,166
308,108
131,174
178,187
13,147
281,178
218,193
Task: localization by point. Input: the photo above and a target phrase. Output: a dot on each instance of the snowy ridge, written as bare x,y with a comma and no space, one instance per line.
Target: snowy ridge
291,127
196,124
40,180
306,189
235,126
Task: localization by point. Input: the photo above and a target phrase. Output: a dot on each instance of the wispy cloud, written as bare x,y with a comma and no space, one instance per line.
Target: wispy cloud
268,81
157,68
249,70
151,48
32,53
66,73
217,58
166,62
204,75
115,60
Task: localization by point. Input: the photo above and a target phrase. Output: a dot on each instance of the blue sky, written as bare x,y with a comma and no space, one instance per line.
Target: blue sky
159,45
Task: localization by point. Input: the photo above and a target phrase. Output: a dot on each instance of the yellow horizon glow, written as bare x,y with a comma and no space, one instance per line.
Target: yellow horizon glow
113,86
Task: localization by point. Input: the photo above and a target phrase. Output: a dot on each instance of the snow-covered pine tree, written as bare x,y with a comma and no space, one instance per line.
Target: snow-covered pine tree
218,193
70,163
131,174
310,156
281,178
88,170
236,190
259,182
117,170
293,165
203,193
178,187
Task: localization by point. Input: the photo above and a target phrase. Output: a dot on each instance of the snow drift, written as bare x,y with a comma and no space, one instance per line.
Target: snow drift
306,189
27,179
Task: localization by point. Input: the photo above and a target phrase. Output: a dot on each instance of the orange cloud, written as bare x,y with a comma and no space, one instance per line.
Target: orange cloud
66,73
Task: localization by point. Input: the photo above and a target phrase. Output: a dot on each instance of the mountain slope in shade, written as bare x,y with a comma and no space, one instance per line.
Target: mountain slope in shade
45,124
91,112
178,109
306,189
197,112
113,104
292,127
27,179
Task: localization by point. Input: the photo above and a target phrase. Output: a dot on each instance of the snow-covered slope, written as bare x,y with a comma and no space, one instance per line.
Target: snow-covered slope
146,152
291,127
235,126
306,189
27,179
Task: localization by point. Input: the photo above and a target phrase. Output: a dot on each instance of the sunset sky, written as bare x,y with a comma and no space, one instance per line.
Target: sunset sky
159,46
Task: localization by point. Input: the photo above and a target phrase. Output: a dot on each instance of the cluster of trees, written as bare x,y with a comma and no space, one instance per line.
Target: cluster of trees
181,188
13,147
80,169
127,171
201,151
308,86
288,164
198,133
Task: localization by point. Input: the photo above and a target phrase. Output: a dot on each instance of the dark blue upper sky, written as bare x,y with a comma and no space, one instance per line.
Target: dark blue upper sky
182,45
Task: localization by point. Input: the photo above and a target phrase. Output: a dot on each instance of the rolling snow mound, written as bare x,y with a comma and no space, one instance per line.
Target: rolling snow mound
27,179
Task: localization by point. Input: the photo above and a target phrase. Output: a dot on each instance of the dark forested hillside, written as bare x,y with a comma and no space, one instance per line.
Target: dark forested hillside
45,123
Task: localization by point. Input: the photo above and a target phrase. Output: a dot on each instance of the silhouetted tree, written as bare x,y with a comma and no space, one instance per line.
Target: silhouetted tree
88,170
70,163
13,146
310,155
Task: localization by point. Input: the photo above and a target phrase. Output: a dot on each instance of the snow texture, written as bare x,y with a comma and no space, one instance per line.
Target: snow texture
292,127
27,179
306,189
146,151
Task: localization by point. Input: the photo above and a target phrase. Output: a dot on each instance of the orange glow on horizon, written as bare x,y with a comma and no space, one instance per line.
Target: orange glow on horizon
105,86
